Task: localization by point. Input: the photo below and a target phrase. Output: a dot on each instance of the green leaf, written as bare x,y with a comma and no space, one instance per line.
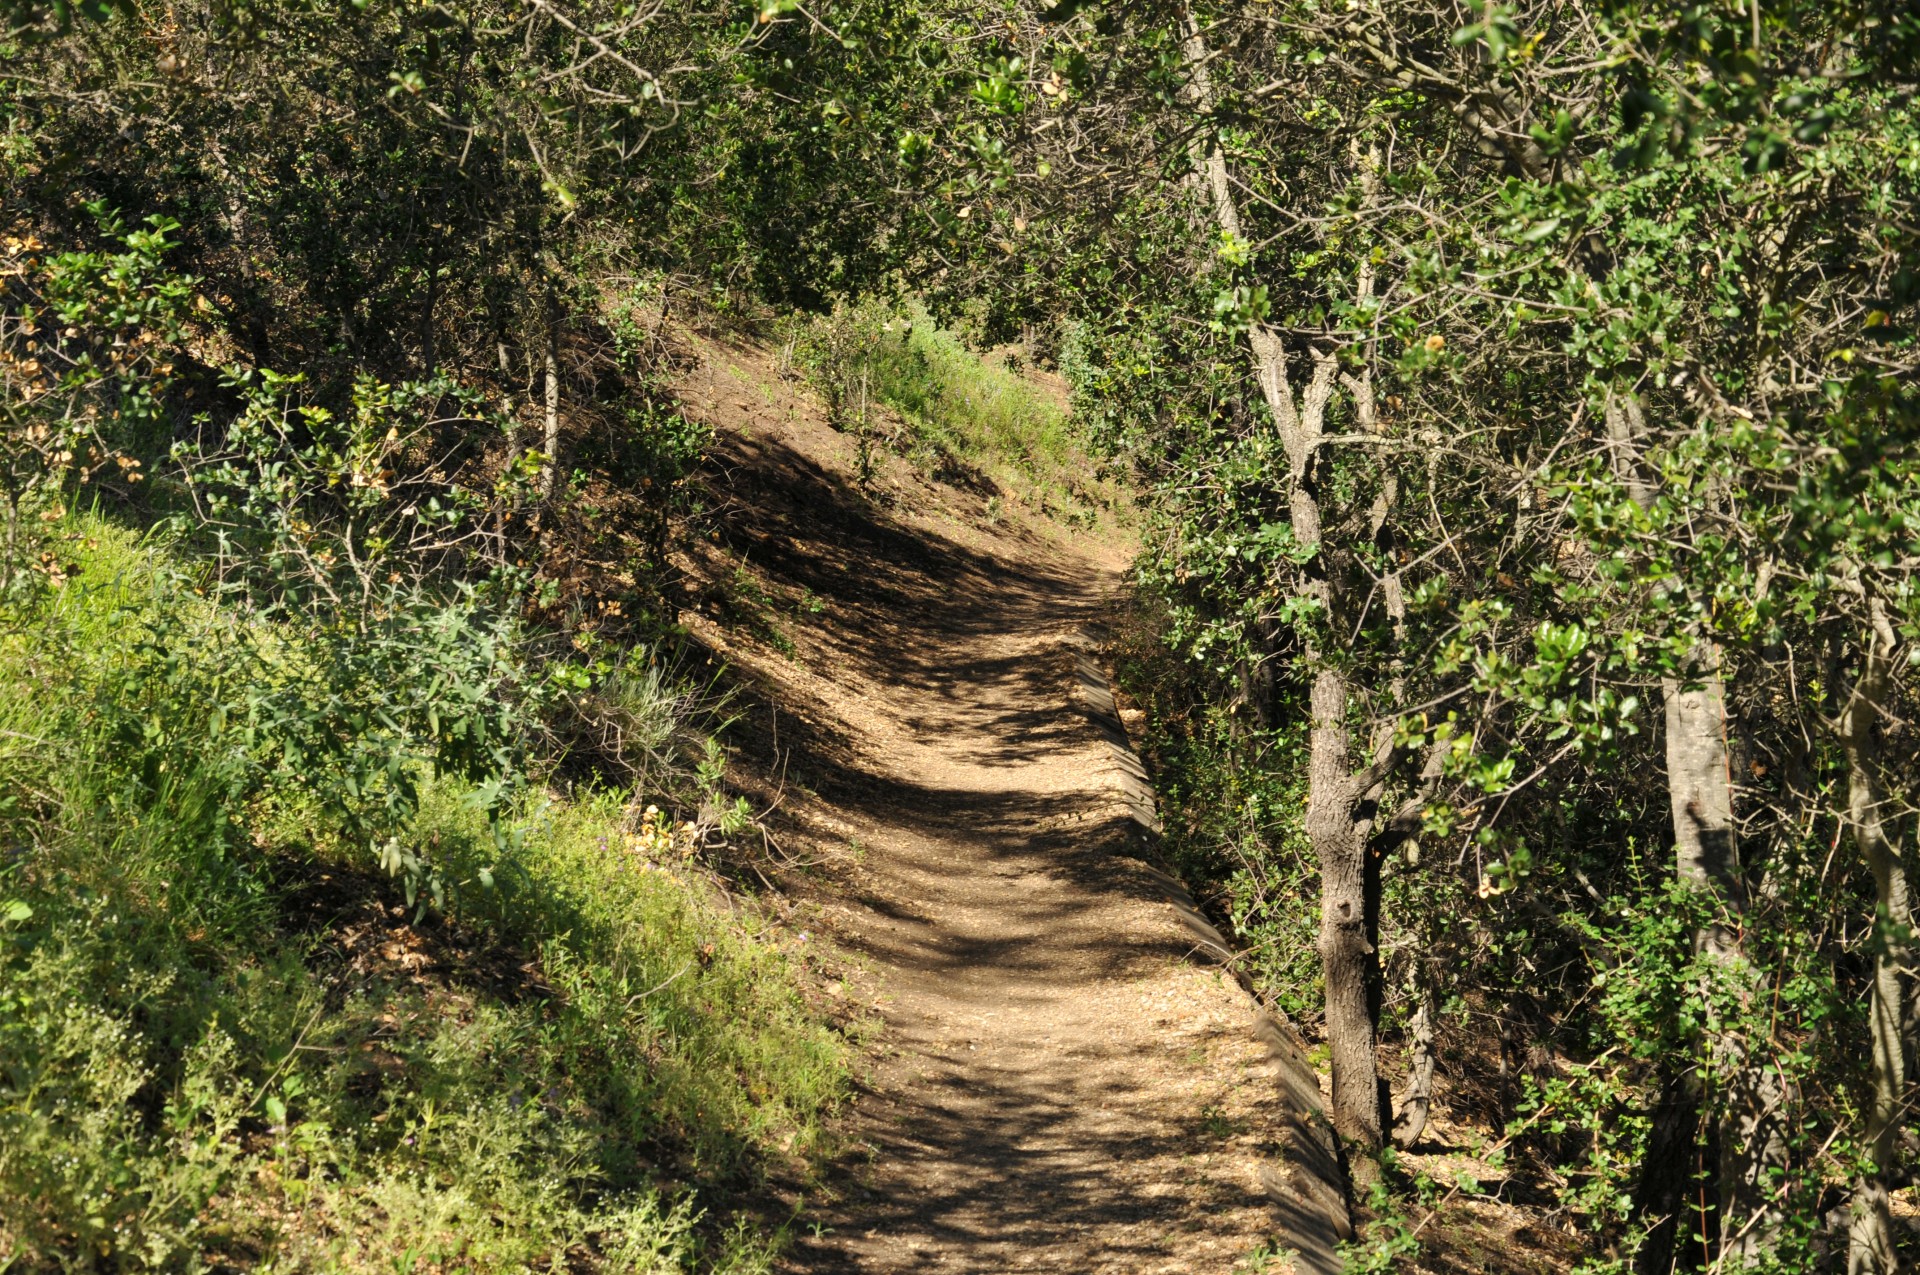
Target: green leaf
1540,230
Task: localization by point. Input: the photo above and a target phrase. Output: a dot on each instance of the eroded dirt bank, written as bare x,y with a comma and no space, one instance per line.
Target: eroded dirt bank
1057,1082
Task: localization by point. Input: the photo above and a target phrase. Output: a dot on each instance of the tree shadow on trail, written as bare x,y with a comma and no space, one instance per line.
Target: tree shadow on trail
1009,1152
897,596
1002,1178
920,606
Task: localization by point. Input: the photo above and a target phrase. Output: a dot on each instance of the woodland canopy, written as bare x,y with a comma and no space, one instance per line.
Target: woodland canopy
1520,400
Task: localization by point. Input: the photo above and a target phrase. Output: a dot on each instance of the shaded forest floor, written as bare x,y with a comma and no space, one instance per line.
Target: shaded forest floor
1054,1083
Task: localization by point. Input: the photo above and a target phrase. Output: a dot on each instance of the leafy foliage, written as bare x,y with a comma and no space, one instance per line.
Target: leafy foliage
193,1076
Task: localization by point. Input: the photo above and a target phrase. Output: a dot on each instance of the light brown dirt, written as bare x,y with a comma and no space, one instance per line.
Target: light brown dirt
1058,1082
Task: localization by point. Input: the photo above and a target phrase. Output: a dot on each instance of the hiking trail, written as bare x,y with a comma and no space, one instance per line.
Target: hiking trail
1062,1079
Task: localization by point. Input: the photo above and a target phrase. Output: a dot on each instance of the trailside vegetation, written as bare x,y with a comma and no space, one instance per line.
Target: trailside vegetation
1520,404
1523,395
898,382
364,840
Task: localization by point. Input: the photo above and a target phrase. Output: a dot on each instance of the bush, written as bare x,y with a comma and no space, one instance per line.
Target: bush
221,1043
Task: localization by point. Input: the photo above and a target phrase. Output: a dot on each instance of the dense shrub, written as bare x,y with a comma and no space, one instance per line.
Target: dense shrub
222,1041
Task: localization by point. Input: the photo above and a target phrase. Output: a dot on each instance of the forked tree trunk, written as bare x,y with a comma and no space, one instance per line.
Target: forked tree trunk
1870,1239
1337,835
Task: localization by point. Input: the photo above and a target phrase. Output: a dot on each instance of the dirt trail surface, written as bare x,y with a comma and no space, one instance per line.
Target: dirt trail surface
1057,1083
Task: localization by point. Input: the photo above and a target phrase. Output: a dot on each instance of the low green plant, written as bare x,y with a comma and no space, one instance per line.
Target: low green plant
960,410
1387,1242
1232,802
749,601
1263,1256
200,1069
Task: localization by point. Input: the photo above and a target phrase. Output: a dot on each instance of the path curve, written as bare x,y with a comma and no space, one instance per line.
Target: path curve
1061,1084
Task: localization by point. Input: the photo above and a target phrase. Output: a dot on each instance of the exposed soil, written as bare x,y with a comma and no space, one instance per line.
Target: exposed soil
1059,1079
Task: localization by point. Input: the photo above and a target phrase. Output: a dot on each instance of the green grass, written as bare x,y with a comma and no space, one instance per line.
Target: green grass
978,409
222,1043
986,413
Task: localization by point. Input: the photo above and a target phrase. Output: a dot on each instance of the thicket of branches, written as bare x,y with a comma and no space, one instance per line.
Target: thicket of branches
1526,394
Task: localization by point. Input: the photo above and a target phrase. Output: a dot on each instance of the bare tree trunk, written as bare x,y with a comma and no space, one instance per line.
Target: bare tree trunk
1625,427
1749,1097
1701,792
1348,908
510,413
1870,1242
1661,1196
1414,1103
1346,939
549,475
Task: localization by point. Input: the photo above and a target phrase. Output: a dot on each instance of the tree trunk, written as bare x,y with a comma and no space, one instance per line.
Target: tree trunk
1870,1241
1662,1192
1748,1100
1346,942
1336,829
1749,1096
510,414
1701,791
1415,1101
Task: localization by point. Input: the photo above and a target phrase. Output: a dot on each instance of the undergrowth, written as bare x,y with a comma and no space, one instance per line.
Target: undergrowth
896,380
226,1042
1232,817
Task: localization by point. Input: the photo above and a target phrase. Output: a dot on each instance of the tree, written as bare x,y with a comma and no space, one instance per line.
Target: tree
1598,323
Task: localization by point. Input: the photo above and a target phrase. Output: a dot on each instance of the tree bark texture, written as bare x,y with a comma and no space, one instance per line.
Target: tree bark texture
549,477
1662,1196
1700,789
1748,1098
1347,954
1748,1095
1870,1237
1414,1103
1336,828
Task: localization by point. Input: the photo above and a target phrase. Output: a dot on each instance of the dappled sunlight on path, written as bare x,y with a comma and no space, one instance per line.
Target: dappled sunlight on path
1060,1084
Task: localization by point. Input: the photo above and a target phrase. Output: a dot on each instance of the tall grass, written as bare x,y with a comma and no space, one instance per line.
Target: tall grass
223,1044
980,409
985,411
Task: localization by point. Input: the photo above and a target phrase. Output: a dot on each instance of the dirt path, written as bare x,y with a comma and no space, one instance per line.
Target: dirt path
1059,1084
